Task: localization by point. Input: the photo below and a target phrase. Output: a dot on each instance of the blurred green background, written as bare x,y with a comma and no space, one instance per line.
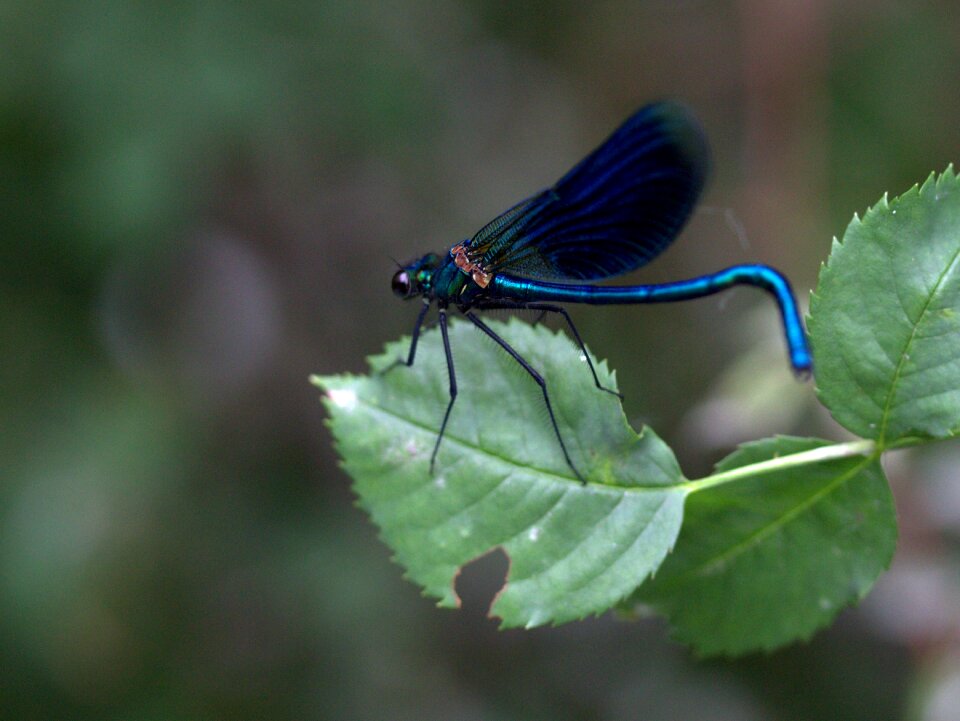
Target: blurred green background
199,203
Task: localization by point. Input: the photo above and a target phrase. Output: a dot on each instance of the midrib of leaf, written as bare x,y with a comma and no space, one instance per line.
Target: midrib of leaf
761,533
451,438
815,455
885,418
801,458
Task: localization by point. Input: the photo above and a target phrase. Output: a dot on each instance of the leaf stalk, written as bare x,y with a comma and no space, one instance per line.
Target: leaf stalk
860,447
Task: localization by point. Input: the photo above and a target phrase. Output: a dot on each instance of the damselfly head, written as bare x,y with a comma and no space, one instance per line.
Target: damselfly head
402,285
414,279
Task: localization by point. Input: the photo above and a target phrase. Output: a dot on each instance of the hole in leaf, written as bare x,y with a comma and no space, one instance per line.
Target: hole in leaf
478,582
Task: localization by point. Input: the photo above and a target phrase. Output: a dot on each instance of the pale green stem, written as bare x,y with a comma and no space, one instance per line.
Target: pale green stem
815,455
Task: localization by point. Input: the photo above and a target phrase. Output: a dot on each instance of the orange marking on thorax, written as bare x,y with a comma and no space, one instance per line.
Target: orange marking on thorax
470,267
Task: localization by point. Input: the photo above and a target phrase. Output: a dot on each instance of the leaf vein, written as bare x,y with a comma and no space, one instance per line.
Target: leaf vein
894,382
582,541
472,504
624,550
450,438
761,533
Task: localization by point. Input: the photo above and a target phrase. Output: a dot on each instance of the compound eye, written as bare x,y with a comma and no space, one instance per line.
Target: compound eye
401,284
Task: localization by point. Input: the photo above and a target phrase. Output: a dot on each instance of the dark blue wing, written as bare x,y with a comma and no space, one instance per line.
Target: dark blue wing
615,211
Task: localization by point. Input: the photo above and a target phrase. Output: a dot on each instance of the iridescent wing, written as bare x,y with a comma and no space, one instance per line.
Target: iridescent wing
615,211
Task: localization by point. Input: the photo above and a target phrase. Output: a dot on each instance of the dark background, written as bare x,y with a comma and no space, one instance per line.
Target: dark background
199,202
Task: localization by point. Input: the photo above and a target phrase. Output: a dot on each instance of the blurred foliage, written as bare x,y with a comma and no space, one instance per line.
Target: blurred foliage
198,205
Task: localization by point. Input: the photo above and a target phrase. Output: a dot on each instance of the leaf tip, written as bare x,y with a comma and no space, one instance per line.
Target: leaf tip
343,398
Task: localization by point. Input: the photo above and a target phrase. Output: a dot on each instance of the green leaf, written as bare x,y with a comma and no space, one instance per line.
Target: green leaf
500,478
885,318
773,556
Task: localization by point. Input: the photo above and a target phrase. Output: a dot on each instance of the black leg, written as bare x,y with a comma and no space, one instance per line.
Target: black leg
453,384
536,377
413,342
545,308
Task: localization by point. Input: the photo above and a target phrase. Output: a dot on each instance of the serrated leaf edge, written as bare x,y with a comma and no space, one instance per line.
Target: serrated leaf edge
883,207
